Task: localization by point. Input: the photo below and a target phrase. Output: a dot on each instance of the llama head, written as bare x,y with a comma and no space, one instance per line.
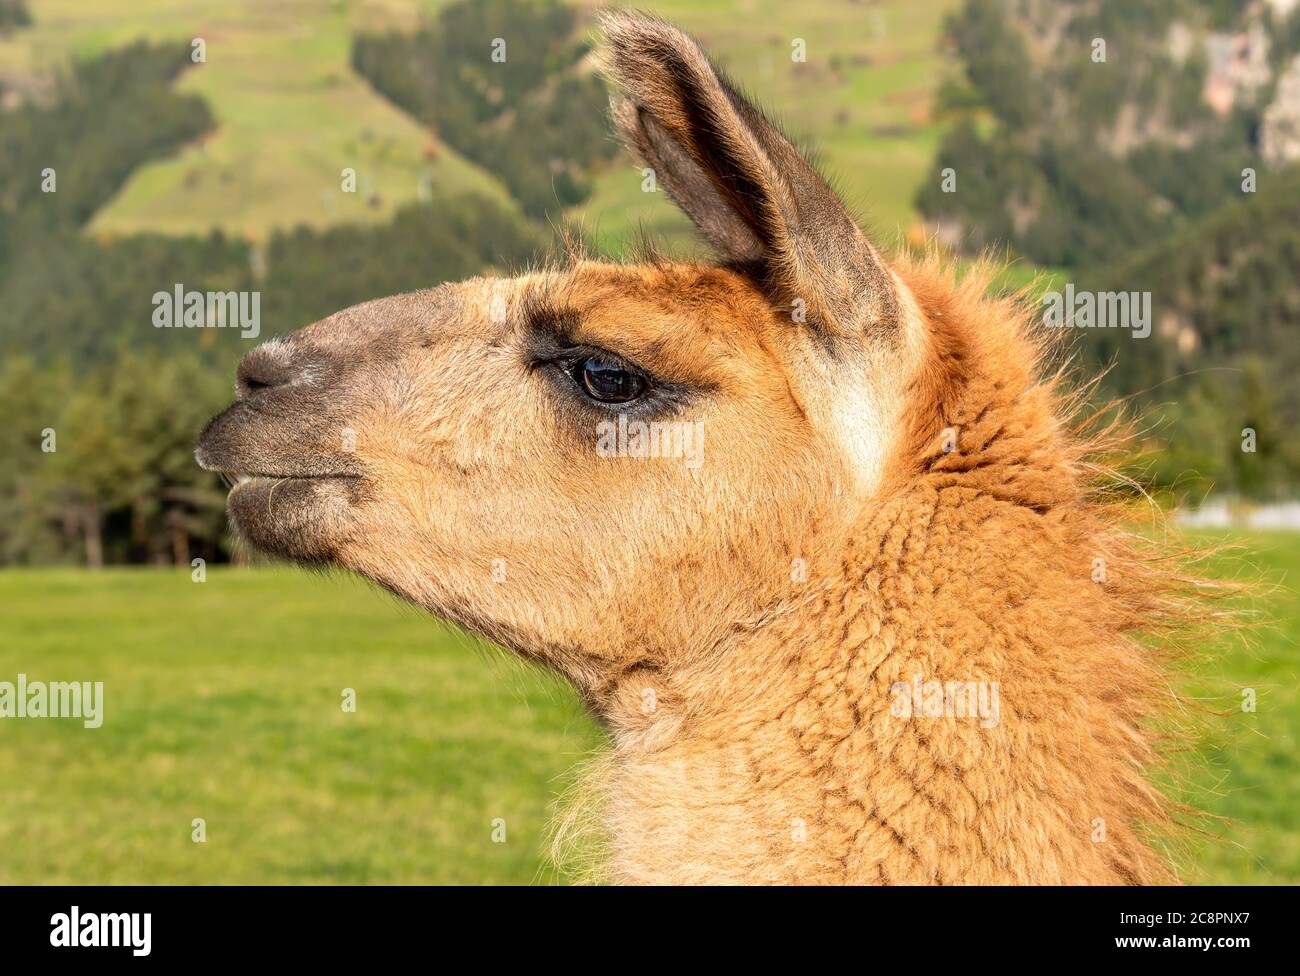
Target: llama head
606,467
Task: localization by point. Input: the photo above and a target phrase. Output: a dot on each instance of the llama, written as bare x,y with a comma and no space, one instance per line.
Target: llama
864,640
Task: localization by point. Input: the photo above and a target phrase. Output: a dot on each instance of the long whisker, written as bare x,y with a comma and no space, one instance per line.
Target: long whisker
271,494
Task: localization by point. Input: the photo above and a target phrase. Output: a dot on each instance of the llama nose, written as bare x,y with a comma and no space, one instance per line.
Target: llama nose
270,365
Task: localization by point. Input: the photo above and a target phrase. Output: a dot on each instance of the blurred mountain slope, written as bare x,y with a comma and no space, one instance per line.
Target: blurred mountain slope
291,113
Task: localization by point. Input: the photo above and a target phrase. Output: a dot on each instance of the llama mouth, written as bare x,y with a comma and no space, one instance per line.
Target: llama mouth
236,480
285,498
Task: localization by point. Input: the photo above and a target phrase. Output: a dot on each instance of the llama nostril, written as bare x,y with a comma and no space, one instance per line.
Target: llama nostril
269,365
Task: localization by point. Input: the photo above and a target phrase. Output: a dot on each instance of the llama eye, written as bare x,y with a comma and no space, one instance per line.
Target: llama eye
607,381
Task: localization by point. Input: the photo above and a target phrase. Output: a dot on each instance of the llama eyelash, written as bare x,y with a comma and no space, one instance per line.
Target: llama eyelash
551,346
661,399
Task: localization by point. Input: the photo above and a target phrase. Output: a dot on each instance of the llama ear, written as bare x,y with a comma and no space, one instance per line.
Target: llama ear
750,192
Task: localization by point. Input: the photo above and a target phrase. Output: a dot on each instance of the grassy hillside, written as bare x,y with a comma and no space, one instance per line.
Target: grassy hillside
223,702
291,113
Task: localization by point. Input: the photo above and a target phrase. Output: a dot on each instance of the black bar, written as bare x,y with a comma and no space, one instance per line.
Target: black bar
332,925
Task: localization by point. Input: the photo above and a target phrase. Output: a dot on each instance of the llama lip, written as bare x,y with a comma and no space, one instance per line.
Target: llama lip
242,442
303,517
289,489
239,472
243,478
304,485
246,480
245,487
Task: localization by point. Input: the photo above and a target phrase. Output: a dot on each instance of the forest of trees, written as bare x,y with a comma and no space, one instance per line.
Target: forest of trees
1070,160
539,127
1119,174
13,14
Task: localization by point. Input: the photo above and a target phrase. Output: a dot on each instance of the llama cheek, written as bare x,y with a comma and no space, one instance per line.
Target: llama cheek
863,434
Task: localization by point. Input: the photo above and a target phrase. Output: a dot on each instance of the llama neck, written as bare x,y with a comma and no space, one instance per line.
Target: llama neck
960,707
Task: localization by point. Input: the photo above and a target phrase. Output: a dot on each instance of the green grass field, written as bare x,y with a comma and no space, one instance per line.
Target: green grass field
223,701
1244,768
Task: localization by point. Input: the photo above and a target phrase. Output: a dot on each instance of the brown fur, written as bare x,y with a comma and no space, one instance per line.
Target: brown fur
739,627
